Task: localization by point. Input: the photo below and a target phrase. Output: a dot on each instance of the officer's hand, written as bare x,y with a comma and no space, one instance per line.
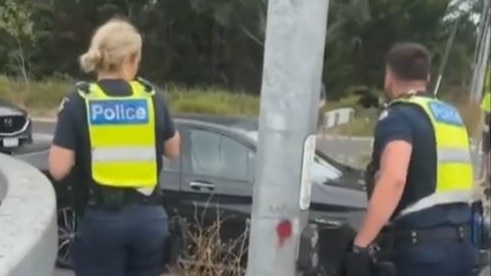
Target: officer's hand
358,264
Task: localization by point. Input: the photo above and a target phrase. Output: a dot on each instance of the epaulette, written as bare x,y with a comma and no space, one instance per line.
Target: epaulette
149,87
83,86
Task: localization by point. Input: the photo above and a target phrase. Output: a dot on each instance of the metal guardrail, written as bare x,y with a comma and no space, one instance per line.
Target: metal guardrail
28,233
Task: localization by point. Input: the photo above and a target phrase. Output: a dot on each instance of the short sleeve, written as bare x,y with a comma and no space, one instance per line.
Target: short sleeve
167,122
393,125
66,133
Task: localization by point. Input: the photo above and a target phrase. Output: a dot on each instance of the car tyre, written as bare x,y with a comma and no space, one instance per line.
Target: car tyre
67,227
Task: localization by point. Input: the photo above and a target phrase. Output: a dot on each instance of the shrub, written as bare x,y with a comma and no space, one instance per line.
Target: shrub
209,251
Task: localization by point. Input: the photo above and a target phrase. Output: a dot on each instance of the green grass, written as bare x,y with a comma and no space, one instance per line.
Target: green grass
42,98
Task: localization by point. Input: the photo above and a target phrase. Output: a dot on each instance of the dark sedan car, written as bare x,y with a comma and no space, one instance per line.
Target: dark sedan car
15,127
215,174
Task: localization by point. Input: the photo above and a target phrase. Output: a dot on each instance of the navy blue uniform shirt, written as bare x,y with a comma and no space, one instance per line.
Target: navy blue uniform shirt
410,123
72,130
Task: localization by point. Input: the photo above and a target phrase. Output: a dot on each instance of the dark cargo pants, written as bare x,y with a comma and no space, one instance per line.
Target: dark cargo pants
451,258
128,242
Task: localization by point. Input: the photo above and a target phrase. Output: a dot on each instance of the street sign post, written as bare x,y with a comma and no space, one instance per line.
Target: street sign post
293,62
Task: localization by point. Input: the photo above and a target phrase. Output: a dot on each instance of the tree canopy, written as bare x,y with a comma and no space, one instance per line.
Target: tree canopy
220,42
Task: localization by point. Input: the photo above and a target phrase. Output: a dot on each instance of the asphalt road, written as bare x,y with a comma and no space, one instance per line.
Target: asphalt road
348,150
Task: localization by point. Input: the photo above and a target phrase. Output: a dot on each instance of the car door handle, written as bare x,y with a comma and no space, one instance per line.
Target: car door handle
201,185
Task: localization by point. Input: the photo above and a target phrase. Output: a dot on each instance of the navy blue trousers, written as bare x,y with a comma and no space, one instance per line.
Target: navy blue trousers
128,242
451,258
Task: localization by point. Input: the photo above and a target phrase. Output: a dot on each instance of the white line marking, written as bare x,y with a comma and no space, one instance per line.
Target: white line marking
42,136
44,120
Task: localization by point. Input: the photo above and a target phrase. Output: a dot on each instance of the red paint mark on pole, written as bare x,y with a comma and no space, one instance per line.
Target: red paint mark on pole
284,231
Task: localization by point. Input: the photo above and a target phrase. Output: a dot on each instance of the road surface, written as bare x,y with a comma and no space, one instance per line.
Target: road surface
351,151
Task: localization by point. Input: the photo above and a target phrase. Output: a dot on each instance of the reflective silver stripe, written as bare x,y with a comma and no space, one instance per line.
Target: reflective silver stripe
454,155
123,154
438,198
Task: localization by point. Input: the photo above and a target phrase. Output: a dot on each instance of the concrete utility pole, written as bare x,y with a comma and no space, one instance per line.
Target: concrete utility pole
482,54
293,62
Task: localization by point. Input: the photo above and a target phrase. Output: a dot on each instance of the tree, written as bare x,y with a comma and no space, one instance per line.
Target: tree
220,42
16,21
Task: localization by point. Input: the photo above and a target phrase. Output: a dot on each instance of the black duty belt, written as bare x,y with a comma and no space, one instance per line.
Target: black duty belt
399,237
113,198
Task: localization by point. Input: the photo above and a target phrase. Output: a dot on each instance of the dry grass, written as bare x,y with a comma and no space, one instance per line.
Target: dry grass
207,253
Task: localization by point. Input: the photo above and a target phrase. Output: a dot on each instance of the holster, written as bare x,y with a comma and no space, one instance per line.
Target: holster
384,268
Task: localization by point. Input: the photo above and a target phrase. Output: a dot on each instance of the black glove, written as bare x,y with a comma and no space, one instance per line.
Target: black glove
358,263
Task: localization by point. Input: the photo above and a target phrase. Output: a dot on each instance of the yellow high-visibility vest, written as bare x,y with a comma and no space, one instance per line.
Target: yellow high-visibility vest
486,101
454,181
122,137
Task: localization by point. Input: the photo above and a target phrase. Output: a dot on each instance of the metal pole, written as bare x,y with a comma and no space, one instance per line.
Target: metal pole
446,54
476,87
293,61
480,30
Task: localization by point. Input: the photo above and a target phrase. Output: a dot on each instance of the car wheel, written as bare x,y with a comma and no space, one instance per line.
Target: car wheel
67,223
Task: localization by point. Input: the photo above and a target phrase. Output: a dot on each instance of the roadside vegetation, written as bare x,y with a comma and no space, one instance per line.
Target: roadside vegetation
207,253
216,59
42,98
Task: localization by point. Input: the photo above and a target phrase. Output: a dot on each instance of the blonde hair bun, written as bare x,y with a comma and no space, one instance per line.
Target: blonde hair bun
111,43
90,60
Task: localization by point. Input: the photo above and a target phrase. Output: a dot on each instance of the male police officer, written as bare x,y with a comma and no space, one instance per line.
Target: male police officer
486,138
420,177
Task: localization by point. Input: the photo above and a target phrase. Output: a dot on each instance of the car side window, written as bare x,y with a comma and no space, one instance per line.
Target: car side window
217,155
321,171
172,164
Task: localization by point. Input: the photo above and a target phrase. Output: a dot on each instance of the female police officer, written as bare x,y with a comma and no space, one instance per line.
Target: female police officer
113,132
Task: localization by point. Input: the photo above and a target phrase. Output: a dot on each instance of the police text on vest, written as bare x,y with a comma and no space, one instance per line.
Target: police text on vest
445,113
130,111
